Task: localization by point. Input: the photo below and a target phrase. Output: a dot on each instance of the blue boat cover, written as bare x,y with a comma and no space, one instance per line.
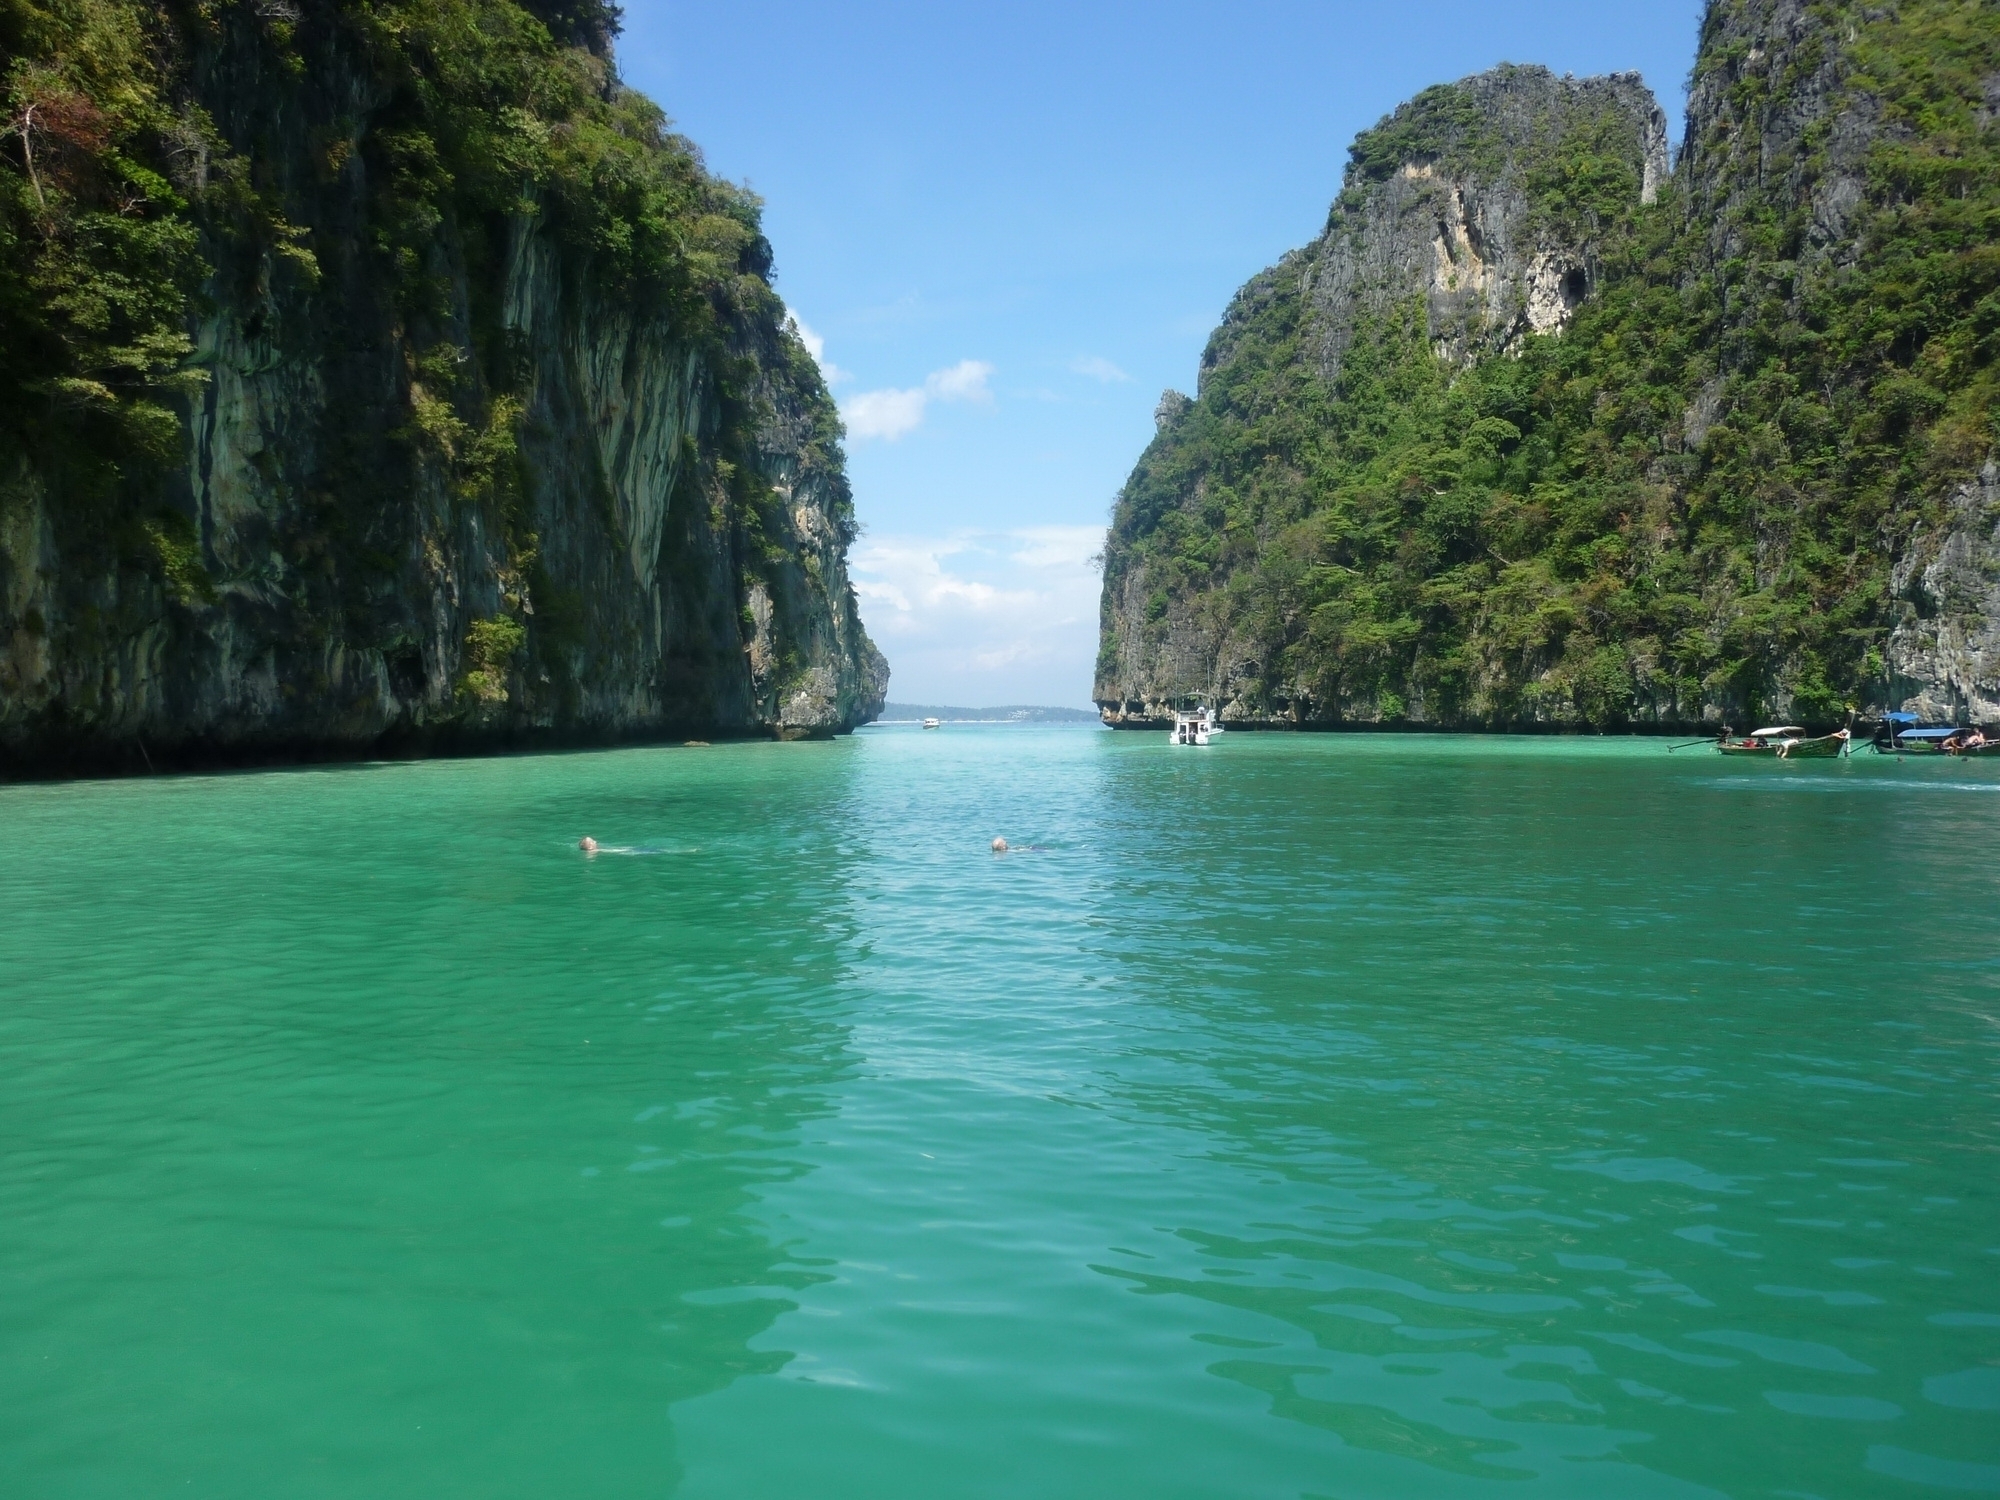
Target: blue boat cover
1901,718
1926,734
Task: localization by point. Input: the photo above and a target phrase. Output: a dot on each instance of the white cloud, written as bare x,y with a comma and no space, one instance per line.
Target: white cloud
816,347
883,414
1098,368
1066,547
888,414
964,381
984,618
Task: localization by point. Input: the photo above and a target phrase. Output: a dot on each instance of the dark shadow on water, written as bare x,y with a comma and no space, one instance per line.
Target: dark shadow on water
89,759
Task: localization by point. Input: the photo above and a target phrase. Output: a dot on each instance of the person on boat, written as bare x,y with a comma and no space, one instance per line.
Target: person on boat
587,844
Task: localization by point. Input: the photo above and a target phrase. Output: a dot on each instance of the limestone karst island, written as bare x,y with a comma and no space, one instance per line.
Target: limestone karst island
1417,918
389,377
1543,431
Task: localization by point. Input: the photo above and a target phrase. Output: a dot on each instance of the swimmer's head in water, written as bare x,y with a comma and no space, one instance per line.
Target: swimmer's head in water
999,846
587,844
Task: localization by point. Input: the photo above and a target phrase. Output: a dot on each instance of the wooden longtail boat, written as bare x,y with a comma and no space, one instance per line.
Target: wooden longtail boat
1786,742
1825,747
1759,741
1901,734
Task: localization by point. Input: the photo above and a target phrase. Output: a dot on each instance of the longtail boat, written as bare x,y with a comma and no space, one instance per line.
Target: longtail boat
1786,742
1905,734
1824,747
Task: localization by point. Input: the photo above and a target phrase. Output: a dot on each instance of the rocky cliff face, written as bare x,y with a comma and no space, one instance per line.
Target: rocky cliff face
1445,204
1792,107
1944,653
1537,435
449,474
1455,219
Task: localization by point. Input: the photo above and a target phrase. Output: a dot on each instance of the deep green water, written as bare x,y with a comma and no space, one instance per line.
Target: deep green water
1313,1116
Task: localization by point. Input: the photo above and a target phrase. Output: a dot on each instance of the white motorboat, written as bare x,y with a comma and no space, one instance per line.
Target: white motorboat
932,723
1193,728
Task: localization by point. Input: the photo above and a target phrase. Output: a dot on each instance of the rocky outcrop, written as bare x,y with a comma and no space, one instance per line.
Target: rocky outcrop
1944,656
1773,128
542,509
1458,221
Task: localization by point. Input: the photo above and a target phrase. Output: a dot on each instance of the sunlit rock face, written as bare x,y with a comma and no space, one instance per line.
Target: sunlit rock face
1945,655
1457,221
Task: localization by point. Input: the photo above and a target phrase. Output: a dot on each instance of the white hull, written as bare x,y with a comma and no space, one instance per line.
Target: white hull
1193,729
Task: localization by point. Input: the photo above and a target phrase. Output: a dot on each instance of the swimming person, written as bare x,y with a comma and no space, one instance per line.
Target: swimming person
999,846
587,844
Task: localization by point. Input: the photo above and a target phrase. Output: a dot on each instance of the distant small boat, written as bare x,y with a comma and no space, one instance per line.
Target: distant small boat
932,723
1786,742
1193,728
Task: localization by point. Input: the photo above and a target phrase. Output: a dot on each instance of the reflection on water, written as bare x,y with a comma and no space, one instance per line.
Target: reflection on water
1355,1116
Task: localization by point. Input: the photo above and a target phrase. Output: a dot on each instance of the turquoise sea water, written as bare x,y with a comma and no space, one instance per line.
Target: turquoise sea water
1344,1116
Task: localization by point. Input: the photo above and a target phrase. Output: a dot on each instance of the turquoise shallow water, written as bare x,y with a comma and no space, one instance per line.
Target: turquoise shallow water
1310,1116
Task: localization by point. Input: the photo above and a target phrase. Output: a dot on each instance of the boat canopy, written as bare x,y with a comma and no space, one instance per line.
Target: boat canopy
1901,718
1928,734
1758,734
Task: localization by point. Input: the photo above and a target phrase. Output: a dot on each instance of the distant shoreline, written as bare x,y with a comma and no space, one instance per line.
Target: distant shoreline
1006,713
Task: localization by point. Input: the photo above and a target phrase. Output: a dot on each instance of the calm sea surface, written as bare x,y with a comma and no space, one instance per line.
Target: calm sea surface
1343,1116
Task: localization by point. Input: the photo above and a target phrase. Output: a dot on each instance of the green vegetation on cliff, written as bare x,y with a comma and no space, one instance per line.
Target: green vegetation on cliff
1687,499
121,196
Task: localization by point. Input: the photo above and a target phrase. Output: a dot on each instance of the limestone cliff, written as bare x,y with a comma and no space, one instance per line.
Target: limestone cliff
1539,435
463,459
1457,227
1859,124
1944,653
1446,201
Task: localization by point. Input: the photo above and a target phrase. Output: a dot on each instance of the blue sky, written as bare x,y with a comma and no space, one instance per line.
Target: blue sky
1011,227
